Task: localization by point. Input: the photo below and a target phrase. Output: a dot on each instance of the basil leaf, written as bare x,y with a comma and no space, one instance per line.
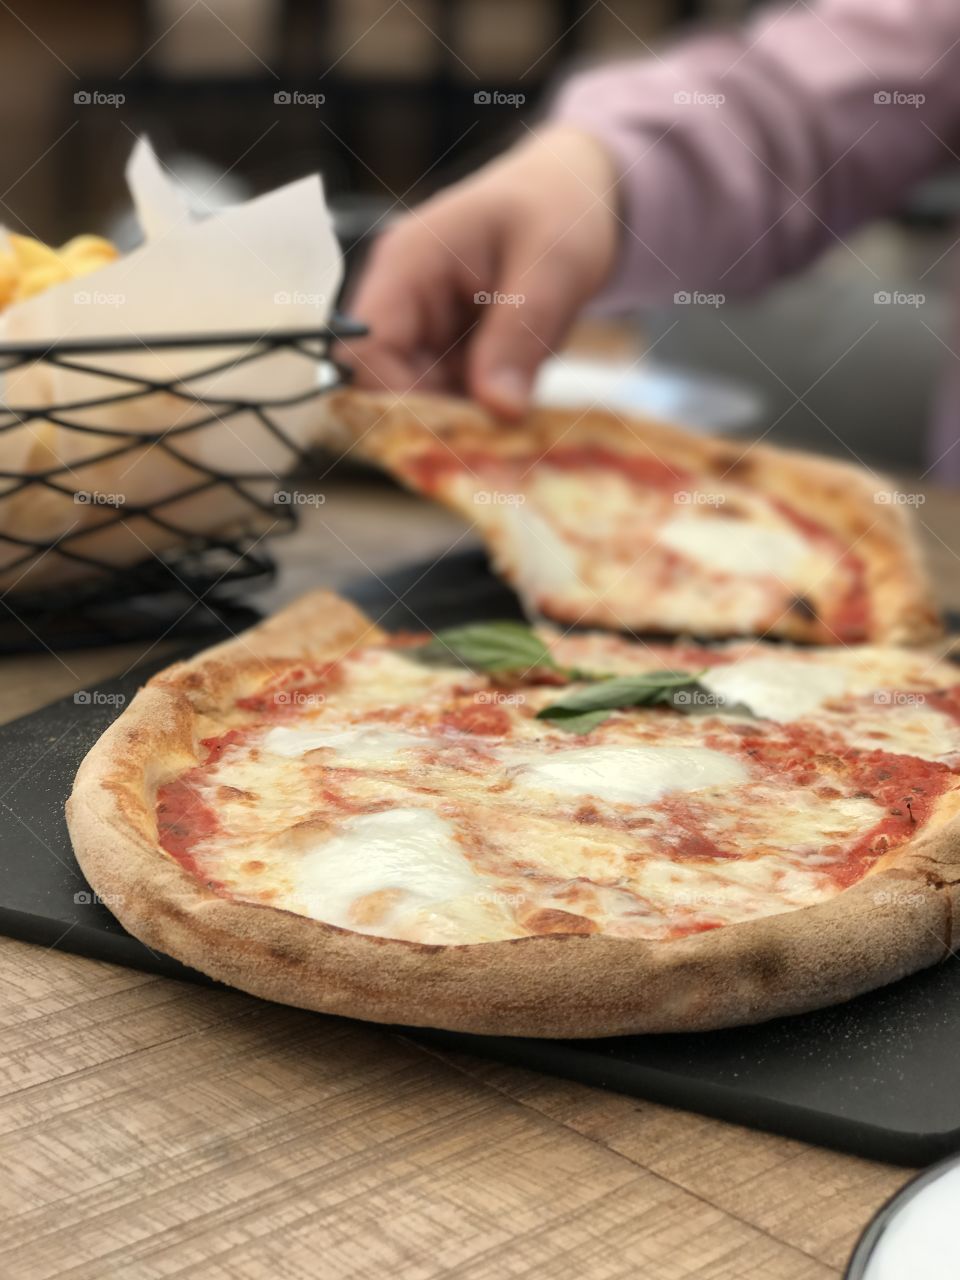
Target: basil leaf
575,721
499,647
646,690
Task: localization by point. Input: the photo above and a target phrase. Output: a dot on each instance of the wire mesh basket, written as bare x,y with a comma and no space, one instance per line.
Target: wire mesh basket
139,477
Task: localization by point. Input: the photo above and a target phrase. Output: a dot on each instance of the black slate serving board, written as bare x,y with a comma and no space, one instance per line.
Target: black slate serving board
879,1076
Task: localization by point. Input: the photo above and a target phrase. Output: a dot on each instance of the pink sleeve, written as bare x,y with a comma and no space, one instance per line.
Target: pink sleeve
743,154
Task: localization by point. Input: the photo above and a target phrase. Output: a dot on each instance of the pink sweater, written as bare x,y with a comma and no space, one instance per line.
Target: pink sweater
743,154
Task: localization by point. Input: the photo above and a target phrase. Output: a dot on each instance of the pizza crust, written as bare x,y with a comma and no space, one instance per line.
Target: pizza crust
894,922
388,430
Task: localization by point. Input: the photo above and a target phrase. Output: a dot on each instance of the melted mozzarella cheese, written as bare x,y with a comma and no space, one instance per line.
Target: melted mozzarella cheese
352,745
914,730
792,688
545,565
632,775
412,851
605,509
777,688
729,890
738,547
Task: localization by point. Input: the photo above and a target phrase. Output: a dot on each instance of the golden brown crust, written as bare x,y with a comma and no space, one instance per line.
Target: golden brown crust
840,497
897,920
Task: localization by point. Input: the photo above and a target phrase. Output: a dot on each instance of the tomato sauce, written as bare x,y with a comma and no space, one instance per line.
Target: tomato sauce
640,469
216,746
185,820
484,718
428,468
685,928
946,700
689,840
904,785
850,618
293,690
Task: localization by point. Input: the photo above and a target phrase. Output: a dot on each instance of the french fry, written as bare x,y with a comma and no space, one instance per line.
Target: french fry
87,253
39,278
9,278
30,266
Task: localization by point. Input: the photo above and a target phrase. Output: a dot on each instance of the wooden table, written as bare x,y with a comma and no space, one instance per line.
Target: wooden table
153,1129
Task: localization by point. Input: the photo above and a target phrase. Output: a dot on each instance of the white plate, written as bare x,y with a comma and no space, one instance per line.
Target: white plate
704,402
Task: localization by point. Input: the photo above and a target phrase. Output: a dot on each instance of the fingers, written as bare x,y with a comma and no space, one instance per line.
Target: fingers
527,319
387,301
477,287
427,333
375,367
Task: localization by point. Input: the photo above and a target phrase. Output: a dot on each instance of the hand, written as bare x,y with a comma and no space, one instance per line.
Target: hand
535,232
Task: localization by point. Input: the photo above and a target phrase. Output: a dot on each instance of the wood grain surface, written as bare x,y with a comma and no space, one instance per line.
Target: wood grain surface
153,1129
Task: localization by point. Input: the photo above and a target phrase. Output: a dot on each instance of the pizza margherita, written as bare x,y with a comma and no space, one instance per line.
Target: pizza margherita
604,520
510,831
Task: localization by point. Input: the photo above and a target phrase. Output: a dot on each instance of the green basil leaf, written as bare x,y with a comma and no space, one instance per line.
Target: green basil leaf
509,648
646,690
576,721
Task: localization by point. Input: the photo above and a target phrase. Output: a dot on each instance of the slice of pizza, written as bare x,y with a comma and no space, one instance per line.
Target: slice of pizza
517,832
601,520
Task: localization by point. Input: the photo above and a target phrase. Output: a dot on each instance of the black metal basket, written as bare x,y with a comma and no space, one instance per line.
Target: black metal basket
61,593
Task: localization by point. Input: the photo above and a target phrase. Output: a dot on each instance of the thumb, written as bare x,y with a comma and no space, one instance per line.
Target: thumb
524,321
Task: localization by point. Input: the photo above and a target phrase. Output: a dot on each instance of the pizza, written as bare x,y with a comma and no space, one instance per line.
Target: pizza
602,520
528,831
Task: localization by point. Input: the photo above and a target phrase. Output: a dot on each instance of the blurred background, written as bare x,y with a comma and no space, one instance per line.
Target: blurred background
391,101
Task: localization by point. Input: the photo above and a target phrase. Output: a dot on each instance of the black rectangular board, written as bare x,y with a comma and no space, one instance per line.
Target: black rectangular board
878,1076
